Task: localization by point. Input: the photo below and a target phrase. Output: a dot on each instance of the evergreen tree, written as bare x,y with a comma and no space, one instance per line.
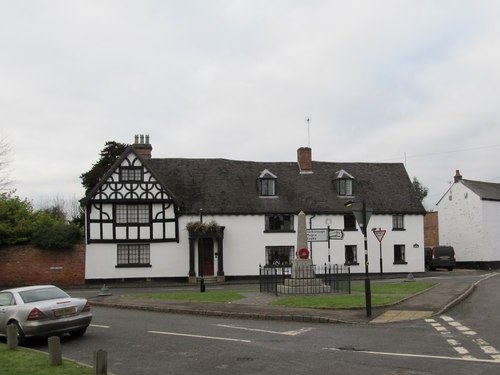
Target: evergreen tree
112,151
421,190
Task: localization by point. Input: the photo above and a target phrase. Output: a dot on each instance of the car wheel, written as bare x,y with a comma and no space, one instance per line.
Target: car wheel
450,268
21,339
78,332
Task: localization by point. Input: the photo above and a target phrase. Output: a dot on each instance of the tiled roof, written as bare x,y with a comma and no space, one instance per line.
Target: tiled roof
221,186
485,190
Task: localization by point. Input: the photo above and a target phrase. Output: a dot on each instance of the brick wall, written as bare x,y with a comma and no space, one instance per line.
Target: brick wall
27,265
431,229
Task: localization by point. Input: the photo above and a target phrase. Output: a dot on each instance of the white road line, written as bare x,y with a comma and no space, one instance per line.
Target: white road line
496,361
198,336
455,344
483,345
98,326
447,319
462,351
287,333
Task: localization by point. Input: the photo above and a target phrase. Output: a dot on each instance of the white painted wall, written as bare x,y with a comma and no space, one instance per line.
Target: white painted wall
491,220
412,238
470,225
245,242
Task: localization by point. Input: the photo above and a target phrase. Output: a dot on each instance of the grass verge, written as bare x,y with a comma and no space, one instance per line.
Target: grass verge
194,296
382,293
25,361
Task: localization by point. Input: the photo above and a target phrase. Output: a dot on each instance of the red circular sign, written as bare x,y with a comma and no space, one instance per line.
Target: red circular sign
304,253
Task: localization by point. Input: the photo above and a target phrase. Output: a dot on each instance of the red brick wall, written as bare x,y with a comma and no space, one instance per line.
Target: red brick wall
27,265
431,229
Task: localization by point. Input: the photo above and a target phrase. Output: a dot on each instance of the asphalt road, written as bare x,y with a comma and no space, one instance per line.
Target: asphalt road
464,341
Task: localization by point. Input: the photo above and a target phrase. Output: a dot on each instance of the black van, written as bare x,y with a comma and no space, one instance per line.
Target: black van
440,257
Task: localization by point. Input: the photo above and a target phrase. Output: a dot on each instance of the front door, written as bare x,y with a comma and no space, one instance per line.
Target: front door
206,249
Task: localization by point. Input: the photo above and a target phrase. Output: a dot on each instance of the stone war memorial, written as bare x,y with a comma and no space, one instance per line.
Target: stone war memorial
303,279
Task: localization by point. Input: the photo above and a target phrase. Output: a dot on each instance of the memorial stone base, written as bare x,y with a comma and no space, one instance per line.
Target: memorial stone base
303,280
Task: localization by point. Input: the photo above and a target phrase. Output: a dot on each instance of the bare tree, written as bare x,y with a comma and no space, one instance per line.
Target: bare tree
5,181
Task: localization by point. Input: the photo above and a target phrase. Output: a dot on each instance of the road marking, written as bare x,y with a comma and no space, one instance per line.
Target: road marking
287,333
456,345
471,359
98,326
198,336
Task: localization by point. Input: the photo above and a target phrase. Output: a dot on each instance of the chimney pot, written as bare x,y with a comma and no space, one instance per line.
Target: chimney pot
458,176
143,148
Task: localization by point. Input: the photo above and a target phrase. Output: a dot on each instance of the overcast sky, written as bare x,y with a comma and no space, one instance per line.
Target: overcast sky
415,82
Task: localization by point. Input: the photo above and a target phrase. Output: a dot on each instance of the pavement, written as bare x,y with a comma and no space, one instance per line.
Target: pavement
447,291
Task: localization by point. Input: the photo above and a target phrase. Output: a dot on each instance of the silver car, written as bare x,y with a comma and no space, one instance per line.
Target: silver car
43,310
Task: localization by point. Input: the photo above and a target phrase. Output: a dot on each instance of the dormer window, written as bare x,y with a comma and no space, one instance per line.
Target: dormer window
344,183
267,184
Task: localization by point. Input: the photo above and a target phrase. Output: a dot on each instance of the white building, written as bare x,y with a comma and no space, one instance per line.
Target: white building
138,216
469,220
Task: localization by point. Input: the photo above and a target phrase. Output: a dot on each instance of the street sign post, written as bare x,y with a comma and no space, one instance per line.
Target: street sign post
317,235
336,234
380,233
324,235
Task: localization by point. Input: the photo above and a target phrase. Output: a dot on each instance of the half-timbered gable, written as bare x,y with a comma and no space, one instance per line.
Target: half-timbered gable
130,204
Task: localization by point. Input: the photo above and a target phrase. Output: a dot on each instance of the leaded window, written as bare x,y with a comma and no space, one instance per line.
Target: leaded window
279,223
132,214
133,255
279,255
130,174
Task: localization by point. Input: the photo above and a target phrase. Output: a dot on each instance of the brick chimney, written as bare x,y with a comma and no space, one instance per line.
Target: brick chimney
458,176
142,146
304,158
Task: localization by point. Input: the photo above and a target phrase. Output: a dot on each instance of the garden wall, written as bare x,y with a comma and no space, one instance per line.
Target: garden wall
28,265
431,229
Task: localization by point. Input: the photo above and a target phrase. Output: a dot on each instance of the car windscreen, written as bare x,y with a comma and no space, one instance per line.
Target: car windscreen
42,294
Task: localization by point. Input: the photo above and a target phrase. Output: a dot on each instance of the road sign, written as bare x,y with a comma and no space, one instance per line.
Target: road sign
317,235
379,233
336,234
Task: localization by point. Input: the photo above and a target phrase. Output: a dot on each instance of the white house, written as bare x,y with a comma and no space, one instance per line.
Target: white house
151,218
469,220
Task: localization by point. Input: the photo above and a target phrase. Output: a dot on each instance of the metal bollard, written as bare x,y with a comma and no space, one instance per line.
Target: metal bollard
100,362
12,341
55,352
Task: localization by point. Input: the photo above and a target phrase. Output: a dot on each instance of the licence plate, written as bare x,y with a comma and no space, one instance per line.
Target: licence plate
65,311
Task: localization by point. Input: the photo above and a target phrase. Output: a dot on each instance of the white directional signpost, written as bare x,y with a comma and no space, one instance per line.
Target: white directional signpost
336,234
324,235
317,235
380,233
